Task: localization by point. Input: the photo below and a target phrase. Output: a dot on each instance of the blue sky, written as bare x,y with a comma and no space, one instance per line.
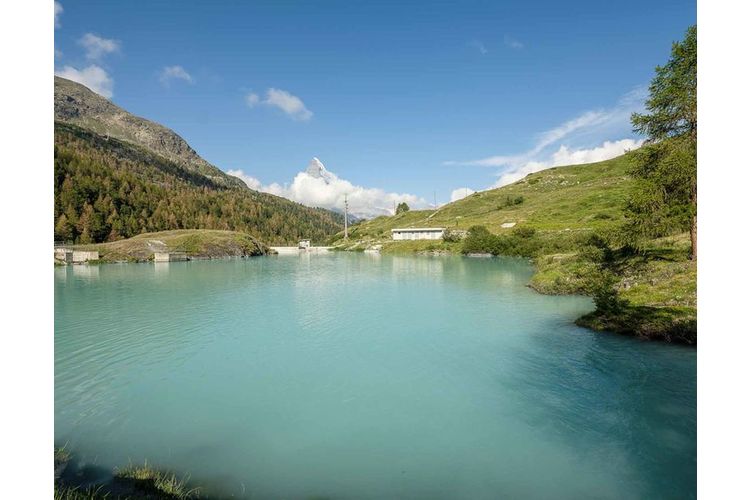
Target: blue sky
406,97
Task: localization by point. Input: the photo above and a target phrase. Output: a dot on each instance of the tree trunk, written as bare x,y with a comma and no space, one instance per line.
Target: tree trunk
694,239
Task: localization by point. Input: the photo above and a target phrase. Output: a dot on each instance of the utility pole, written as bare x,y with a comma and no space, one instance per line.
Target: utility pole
346,218
434,199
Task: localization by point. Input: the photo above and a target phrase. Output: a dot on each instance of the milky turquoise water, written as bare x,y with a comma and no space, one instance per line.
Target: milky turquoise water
356,376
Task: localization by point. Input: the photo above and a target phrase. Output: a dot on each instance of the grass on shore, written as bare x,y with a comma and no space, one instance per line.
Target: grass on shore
661,275
199,243
130,482
656,288
90,493
151,480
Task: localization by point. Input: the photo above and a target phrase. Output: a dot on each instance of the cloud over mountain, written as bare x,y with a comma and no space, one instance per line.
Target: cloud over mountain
460,193
567,156
318,187
555,147
94,77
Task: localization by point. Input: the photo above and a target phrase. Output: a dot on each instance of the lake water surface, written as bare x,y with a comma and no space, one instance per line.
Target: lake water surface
358,376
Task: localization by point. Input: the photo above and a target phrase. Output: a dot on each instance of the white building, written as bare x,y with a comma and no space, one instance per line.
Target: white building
417,233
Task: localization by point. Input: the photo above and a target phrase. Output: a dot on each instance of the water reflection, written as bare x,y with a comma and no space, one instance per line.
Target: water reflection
86,272
61,273
161,268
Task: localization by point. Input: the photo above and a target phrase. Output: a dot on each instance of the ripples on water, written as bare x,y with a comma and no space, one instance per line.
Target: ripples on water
355,376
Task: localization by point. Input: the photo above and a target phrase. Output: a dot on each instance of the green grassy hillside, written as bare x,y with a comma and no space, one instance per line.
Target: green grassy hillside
196,243
554,213
574,198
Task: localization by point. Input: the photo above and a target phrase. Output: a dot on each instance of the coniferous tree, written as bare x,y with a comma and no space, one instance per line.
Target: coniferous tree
63,229
402,207
666,199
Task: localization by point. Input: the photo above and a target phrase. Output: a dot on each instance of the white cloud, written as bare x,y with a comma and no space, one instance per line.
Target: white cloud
566,156
169,73
556,147
460,193
317,187
588,119
97,47
288,103
477,44
283,100
58,13
609,149
512,42
93,77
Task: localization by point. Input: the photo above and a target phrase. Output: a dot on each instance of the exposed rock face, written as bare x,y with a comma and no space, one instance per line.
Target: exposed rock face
78,105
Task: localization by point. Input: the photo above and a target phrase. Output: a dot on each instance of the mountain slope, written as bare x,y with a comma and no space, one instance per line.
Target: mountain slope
77,105
118,175
572,198
107,189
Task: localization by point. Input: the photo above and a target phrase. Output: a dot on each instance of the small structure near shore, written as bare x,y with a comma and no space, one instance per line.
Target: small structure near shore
63,255
81,256
417,233
68,256
303,244
170,256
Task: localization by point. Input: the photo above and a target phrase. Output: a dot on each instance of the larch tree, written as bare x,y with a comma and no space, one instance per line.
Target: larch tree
666,199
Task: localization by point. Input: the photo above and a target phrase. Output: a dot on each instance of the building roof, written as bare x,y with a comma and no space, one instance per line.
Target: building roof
418,229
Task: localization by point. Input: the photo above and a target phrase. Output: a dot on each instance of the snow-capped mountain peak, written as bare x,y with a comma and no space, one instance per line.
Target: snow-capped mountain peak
317,170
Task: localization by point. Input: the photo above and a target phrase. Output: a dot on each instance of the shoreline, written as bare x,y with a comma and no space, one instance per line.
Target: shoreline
671,324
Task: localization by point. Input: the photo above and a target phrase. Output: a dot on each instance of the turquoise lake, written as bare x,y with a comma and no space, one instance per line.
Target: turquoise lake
358,376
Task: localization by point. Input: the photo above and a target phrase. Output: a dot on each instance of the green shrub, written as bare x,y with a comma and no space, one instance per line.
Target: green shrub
479,240
510,201
402,208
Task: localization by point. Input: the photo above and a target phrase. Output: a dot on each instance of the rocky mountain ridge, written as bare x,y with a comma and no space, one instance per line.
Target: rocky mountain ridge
77,105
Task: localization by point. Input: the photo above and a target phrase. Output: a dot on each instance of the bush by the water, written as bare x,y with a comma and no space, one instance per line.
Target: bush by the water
520,242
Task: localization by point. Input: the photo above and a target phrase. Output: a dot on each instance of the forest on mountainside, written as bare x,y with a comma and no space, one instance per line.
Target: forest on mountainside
106,190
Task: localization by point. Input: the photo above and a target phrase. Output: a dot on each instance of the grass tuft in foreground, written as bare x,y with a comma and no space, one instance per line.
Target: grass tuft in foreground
151,480
70,493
